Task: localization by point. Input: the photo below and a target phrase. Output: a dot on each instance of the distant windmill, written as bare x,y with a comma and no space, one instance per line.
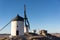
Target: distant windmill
26,24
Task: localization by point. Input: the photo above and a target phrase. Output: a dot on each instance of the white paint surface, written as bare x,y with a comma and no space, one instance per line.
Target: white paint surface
14,27
26,29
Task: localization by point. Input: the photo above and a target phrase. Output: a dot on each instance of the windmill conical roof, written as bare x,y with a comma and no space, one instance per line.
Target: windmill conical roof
18,18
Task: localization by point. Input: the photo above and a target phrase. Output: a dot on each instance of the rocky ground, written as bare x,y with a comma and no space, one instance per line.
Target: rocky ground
30,36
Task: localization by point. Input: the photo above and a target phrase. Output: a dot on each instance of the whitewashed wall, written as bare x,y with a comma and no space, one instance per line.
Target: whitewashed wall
26,29
14,27
20,27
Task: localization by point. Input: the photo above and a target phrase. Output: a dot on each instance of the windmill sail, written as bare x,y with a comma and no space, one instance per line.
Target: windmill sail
25,18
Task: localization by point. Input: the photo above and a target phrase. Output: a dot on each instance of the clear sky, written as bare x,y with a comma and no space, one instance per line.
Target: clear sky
42,14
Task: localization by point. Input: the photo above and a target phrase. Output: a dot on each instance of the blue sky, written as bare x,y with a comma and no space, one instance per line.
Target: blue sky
42,14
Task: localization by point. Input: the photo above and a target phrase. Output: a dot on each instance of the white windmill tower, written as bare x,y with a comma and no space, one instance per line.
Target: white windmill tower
26,22
17,26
